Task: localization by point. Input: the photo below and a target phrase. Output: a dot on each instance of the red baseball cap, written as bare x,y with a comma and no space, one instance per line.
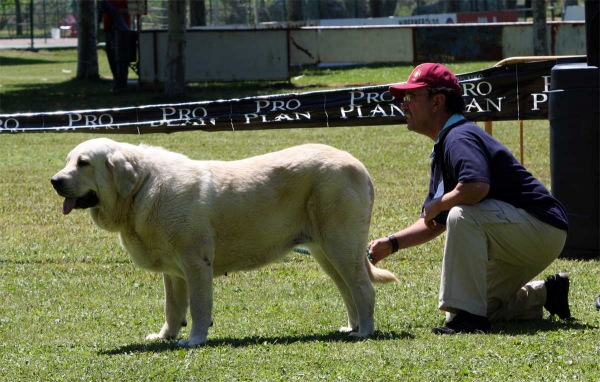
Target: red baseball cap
427,75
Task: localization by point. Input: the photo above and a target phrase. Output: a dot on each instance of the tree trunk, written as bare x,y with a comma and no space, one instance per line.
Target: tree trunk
375,8
175,83
87,53
362,8
197,13
540,42
295,10
389,8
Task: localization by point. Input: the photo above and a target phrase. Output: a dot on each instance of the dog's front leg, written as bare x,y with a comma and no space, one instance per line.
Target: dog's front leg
176,306
200,283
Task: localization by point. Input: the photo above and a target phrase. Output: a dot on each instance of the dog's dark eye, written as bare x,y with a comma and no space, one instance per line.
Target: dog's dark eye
82,163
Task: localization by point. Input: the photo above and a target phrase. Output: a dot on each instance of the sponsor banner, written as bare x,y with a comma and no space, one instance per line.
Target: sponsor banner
440,18
488,17
358,21
511,92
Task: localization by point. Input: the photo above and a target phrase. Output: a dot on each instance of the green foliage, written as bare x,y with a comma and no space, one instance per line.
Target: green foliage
75,308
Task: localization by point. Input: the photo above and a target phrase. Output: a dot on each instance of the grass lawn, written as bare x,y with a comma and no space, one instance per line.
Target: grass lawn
75,308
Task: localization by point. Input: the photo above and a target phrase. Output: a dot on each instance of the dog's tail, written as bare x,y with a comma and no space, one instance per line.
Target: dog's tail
378,275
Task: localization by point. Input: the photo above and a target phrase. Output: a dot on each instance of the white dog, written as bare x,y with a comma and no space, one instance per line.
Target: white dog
195,220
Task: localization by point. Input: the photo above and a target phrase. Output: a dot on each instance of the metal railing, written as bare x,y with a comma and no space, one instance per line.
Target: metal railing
21,19
37,18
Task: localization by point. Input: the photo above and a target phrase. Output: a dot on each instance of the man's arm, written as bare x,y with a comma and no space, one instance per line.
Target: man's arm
417,233
463,193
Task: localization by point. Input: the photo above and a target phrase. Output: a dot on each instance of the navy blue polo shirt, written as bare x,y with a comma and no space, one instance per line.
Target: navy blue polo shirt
465,153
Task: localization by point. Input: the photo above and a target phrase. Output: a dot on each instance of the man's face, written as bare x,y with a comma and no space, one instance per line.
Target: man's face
417,110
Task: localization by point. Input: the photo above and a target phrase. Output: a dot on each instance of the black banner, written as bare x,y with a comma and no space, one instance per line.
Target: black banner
512,92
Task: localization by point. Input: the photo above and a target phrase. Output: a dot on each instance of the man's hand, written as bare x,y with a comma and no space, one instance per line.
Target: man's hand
432,210
416,234
379,249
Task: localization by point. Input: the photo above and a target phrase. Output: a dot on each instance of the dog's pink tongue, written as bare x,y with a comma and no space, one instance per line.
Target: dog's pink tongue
68,205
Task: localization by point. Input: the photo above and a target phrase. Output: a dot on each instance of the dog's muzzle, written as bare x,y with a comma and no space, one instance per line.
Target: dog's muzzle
90,199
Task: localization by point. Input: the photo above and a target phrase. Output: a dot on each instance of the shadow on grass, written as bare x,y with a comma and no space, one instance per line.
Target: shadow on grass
72,94
533,327
75,94
163,346
325,70
16,61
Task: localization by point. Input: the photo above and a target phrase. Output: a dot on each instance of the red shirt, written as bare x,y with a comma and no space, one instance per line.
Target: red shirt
107,18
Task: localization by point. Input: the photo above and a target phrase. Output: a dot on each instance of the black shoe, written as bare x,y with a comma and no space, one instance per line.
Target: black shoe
557,300
465,322
598,303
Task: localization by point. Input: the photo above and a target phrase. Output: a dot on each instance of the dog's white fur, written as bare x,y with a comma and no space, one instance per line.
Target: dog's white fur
195,220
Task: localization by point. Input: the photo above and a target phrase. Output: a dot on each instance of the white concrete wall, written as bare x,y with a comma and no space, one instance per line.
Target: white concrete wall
517,40
569,39
266,54
357,45
220,55
563,39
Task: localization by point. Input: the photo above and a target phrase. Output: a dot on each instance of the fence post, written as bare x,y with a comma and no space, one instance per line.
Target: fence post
44,20
488,127
31,22
215,12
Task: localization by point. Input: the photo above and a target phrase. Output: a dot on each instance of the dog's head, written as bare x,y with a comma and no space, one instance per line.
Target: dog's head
97,173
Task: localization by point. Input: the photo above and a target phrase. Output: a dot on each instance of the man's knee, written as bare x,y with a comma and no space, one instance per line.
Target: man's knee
458,214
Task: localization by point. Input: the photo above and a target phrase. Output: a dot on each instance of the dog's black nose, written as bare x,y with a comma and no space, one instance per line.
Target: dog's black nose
56,182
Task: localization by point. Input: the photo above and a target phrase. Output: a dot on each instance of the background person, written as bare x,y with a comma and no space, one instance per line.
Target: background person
503,226
115,18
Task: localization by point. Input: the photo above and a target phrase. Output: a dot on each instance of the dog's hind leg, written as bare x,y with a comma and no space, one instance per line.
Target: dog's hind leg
342,257
340,216
347,258
316,251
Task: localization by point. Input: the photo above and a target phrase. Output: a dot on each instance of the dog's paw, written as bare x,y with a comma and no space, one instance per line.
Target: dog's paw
192,342
159,337
347,329
155,337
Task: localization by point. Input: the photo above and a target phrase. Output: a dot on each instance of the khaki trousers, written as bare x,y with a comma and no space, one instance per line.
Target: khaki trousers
492,252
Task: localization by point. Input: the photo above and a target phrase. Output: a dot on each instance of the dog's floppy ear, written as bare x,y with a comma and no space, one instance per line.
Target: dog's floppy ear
123,172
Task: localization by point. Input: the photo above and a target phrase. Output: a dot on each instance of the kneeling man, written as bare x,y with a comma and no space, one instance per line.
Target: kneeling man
503,226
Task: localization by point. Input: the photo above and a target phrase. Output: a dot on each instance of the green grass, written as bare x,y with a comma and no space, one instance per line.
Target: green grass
75,308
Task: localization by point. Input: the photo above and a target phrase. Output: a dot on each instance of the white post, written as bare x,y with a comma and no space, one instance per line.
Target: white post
216,12
255,6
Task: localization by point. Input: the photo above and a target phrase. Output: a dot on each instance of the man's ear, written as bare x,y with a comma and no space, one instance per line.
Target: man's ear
439,99
123,173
